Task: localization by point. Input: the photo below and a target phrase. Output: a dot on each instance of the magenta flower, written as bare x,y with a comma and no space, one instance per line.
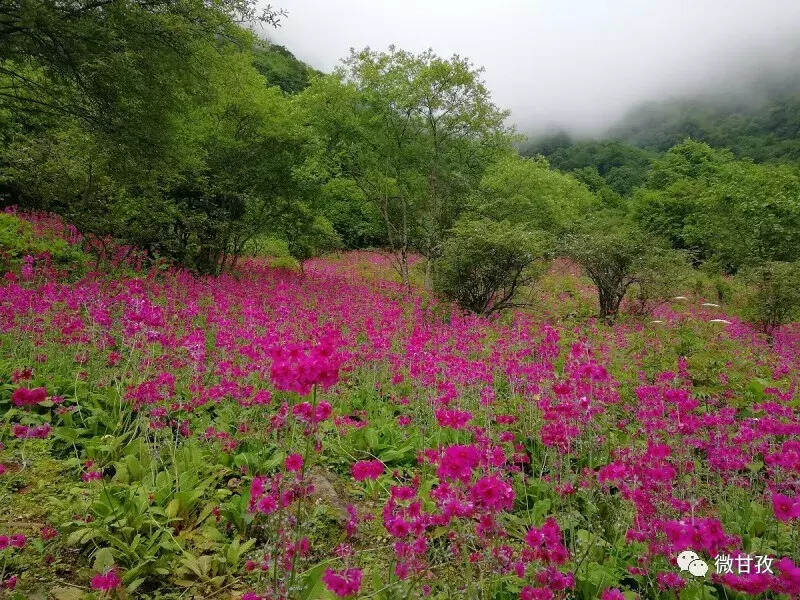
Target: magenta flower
493,493
458,462
106,581
343,583
785,508
535,593
367,469
28,397
294,462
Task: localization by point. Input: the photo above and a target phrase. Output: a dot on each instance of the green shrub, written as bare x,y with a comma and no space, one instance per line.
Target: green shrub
484,263
659,275
774,295
616,256
274,249
18,239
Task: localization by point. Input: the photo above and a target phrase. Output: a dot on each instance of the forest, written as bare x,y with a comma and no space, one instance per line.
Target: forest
271,332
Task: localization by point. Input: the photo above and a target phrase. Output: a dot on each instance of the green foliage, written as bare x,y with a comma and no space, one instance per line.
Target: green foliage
731,212
484,264
662,272
280,67
527,191
357,220
774,296
765,129
414,133
18,239
274,249
620,166
615,256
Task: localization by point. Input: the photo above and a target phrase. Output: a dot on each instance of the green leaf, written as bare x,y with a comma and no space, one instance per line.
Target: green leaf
103,560
172,508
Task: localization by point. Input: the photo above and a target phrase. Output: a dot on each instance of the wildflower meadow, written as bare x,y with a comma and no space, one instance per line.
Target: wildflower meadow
267,433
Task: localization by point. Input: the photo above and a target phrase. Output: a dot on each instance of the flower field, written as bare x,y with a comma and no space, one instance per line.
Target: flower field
267,434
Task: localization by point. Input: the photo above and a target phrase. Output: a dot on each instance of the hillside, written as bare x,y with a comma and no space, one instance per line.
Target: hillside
762,126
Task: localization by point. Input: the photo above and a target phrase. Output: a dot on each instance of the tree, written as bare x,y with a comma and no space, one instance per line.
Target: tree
414,132
91,59
621,166
527,191
484,263
241,165
615,256
774,295
732,212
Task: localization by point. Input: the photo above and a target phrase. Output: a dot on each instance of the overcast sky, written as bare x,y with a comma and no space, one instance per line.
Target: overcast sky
578,64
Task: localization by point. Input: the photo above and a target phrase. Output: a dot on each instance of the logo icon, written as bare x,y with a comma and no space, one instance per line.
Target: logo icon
688,560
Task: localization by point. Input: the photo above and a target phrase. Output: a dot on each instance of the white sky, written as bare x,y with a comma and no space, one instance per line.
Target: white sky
578,64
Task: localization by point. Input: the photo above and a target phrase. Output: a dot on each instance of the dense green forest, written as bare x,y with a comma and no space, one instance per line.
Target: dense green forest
172,127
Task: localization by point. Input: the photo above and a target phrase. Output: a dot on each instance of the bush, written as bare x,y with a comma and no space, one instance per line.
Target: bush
274,249
484,263
774,295
19,239
615,257
659,274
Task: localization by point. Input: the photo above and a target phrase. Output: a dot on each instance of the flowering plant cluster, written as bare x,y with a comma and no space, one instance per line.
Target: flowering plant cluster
280,435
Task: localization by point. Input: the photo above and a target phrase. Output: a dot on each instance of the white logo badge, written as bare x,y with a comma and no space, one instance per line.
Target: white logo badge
688,560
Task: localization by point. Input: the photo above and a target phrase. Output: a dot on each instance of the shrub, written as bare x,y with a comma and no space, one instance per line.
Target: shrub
617,256
484,263
774,295
19,239
273,249
659,273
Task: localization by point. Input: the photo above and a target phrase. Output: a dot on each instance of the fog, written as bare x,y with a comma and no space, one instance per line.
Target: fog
573,64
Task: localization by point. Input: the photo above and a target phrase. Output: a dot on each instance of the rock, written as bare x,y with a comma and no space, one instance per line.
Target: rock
657,321
680,298
720,321
711,304
326,493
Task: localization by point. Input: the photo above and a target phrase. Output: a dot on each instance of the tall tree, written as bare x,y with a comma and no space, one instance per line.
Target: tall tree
418,133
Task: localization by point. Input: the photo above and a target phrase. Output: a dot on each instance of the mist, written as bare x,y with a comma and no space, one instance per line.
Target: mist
576,65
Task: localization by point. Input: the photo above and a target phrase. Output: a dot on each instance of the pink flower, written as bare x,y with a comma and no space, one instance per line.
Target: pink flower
107,581
28,397
343,583
250,596
18,540
612,594
667,581
367,469
458,462
535,593
92,476
785,508
294,462
4,542
20,431
455,419
493,493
